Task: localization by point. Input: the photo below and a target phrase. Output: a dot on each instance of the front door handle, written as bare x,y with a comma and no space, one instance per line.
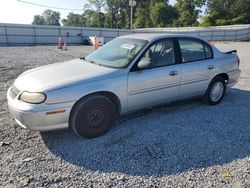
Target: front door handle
173,73
210,67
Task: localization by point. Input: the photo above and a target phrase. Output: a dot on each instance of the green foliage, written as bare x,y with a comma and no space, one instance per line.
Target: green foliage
93,13
94,19
142,15
227,12
74,20
38,20
97,4
188,12
152,13
118,14
162,14
48,17
51,17
208,20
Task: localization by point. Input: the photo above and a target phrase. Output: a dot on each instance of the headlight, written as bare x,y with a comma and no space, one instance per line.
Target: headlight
33,98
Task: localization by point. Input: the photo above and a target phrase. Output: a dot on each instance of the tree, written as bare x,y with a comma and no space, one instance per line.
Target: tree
189,11
51,17
48,17
142,14
227,12
162,14
98,4
117,14
38,20
74,20
91,18
94,8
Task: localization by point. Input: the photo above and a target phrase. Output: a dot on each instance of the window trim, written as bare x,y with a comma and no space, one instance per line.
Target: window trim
203,43
174,40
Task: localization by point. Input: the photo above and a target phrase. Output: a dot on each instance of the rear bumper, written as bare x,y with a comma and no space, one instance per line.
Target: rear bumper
35,117
234,77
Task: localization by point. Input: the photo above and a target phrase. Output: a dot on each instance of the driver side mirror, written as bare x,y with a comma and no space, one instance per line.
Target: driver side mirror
144,63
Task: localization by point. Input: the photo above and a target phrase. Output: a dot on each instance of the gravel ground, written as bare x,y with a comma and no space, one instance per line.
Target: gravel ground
187,144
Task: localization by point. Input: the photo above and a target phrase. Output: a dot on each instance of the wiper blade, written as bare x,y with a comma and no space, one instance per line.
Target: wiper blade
93,62
89,61
99,64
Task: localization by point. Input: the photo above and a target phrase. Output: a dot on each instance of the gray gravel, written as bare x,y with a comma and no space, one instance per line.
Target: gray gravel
187,144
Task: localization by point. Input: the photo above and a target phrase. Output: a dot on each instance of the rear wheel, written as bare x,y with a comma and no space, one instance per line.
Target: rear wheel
93,116
215,92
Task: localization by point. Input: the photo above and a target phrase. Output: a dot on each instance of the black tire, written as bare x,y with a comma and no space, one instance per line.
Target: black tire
92,116
207,96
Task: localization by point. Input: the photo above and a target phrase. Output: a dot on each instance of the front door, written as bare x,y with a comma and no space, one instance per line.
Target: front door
158,83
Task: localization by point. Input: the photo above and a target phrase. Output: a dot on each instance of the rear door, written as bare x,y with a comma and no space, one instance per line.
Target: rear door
197,66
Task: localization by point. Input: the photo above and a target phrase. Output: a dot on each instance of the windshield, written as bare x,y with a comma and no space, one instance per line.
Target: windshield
117,53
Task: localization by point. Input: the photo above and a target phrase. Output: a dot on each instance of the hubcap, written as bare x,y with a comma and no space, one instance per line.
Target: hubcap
96,117
216,91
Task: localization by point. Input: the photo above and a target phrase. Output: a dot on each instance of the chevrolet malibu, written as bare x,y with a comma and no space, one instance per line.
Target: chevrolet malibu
127,74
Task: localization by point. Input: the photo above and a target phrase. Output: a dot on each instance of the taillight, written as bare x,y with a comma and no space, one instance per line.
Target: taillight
238,62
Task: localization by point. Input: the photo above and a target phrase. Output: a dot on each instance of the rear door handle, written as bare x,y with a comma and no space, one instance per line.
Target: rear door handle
173,73
210,67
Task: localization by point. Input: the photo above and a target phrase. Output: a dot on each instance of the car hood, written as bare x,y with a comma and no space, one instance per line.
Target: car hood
62,74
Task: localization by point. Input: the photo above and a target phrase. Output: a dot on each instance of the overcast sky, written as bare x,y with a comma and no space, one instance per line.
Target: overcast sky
13,11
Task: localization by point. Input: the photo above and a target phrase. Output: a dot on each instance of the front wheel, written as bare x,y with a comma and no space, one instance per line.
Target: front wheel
215,92
92,117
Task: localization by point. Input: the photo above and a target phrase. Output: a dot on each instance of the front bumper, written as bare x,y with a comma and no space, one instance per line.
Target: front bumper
35,117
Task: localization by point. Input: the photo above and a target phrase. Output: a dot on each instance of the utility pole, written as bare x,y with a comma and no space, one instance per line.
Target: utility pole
132,3
131,15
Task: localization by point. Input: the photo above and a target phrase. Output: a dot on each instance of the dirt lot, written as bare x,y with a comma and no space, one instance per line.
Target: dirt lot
187,144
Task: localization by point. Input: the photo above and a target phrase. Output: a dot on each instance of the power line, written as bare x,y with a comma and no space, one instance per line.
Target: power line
46,6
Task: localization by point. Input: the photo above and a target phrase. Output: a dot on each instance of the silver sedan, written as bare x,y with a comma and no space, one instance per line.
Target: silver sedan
127,74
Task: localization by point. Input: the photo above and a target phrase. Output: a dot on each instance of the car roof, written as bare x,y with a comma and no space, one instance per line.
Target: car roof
154,36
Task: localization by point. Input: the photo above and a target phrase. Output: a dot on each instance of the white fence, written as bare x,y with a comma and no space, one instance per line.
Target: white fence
19,34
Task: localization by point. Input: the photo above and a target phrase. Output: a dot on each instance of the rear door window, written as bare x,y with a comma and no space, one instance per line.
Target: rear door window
194,50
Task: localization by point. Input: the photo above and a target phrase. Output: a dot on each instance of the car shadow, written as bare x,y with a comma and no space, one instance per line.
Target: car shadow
168,140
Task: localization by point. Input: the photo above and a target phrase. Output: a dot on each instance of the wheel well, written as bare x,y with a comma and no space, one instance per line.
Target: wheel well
223,75
111,96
